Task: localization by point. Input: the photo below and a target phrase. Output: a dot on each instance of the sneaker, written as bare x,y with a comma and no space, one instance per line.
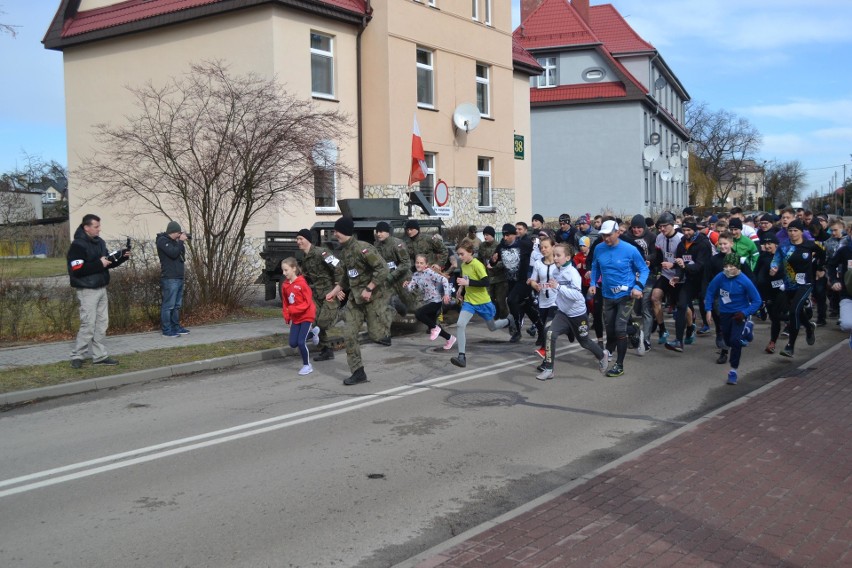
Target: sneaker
603,362
513,325
326,354
705,329
675,346
450,342
647,346
171,334
545,374
723,357
107,361
616,371
459,360
787,351
809,333
770,347
634,338
640,347
306,370
664,337
732,377
76,363
359,376
434,333
541,352
315,337
748,333
532,330
516,337
690,335
182,331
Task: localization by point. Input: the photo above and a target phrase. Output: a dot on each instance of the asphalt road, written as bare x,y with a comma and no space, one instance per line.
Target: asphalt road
259,467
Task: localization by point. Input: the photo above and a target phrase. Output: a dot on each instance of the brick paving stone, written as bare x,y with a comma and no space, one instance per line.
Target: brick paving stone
761,483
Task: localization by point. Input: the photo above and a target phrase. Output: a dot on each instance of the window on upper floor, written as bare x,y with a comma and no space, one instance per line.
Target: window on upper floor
425,78
322,65
550,75
475,10
487,18
324,158
483,88
483,182
427,186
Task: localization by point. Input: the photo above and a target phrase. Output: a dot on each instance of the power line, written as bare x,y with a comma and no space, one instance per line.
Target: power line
825,168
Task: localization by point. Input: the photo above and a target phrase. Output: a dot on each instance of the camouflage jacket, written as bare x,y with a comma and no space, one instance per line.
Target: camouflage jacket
496,273
395,254
434,249
361,264
322,270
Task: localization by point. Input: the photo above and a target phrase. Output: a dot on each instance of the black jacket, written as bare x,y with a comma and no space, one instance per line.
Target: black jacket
172,255
84,261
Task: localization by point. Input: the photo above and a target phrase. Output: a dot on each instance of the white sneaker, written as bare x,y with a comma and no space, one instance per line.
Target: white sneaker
434,333
450,342
315,338
545,374
306,370
603,363
641,349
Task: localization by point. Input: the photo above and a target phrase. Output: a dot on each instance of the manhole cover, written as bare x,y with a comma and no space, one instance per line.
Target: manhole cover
484,398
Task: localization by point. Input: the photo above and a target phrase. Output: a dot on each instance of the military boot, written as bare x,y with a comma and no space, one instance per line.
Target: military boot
359,376
325,354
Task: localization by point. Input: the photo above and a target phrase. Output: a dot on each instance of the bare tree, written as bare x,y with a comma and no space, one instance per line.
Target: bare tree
8,28
721,141
784,181
215,150
701,188
15,208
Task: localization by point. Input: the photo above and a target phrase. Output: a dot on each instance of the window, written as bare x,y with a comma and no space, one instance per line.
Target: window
427,186
322,65
487,12
324,158
475,10
425,78
483,182
549,77
483,83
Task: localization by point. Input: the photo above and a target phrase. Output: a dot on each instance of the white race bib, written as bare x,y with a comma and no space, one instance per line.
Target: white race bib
800,278
332,260
353,273
391,266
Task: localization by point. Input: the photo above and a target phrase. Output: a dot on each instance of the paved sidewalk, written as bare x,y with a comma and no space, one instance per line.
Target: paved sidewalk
137,342
764,481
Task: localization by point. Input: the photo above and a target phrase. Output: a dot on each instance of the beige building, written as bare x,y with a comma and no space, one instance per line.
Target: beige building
382,62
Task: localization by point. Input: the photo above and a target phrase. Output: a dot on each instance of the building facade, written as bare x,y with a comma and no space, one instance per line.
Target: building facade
607,113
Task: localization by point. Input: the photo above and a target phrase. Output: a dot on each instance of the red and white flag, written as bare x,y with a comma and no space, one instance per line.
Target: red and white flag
418,157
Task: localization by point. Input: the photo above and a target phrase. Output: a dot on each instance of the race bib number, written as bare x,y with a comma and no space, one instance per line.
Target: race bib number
353,273
687,258
669,256
391,266
332,260
617,289
778,284
800,278
725,296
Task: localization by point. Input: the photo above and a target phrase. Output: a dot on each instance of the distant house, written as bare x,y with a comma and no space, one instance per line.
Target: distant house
20,206
52,191
607,113
747,182
382,62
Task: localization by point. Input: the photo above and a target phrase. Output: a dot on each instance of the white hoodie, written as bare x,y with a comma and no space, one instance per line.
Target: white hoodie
570,299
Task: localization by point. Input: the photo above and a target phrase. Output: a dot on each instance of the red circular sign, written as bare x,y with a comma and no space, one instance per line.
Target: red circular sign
442,193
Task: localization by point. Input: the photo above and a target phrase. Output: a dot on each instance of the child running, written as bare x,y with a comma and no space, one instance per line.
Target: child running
542,271
571,314
474,284
299,310
738,299
427,281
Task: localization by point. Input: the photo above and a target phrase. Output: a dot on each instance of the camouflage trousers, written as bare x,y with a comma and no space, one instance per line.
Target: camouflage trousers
378,315
326,317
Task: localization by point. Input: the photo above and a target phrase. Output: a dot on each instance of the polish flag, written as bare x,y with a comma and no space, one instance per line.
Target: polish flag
418,158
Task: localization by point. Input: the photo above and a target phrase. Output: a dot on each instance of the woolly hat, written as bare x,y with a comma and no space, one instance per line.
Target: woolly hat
489,230
565,218
690,225
585,241
769,237
173,227
638,221
345,226
412,224
796,224
509,229
383,227
538,217
735,223
713,219
305,234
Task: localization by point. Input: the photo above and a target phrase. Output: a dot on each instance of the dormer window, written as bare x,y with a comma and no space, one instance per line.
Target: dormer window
593,75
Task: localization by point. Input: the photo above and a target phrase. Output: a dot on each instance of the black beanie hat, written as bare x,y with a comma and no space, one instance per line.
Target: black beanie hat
735,223
796,224
509,229
412,224
538,217
383,227
489,230
638,221
306,234
345,226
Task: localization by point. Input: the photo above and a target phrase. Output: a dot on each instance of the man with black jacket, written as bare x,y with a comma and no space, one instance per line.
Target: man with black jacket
89,264
172,254
514,252
691,257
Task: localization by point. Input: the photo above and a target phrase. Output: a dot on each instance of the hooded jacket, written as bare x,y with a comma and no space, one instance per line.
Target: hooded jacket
172,255
85,268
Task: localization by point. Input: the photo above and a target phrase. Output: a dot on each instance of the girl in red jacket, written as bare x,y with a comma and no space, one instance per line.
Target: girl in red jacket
298,308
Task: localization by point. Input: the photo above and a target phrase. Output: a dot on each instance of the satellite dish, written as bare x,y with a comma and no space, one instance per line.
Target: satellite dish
666,175
466,116
651,153
685,154
674,161
660,83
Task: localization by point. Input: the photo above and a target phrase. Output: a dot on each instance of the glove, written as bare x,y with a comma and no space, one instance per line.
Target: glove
739,317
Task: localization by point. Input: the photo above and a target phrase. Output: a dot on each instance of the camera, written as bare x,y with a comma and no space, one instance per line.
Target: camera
188,236
118,254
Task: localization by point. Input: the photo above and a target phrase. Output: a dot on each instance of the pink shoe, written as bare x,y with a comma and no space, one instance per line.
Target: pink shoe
434,333
450,342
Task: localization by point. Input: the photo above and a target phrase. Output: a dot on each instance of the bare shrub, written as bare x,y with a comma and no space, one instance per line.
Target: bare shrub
16,302
58,307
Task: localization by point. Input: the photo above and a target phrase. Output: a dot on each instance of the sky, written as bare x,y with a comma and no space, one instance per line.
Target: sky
781,64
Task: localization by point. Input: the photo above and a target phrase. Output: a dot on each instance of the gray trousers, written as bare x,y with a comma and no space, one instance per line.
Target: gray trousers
94,320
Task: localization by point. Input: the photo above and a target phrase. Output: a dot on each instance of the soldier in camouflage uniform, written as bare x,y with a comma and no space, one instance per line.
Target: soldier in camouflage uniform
395,254
322,270
498,287
365,278
433,249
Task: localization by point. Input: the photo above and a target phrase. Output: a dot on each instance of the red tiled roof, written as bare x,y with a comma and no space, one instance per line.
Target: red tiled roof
578,92
555,23
615,33
523,58
136,10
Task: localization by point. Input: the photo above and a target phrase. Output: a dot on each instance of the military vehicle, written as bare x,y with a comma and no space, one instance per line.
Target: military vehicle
279,245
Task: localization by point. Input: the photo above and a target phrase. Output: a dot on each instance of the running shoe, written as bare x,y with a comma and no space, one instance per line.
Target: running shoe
616,371
603,362
450,342
459,360
810,337
647,345
434,333
723,357
545,374
315,337
705,330
664,337
306,370
541,352
690,335
675,346
513,325
770,347
532,330
787,351
516,337
732,377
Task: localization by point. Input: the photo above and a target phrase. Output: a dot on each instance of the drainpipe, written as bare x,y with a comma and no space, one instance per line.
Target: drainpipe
359,112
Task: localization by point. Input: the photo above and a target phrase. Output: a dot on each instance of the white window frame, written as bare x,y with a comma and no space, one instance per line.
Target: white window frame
428,68
475,10
543,81
329,56
427,186
324,158
483,176
485,84
487,12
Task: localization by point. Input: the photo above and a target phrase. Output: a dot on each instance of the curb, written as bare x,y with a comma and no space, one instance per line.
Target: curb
487,525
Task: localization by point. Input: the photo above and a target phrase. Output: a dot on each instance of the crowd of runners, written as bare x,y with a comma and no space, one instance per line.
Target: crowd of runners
605,277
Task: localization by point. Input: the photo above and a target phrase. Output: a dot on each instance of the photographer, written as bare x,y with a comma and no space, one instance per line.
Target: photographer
172,253
89,264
